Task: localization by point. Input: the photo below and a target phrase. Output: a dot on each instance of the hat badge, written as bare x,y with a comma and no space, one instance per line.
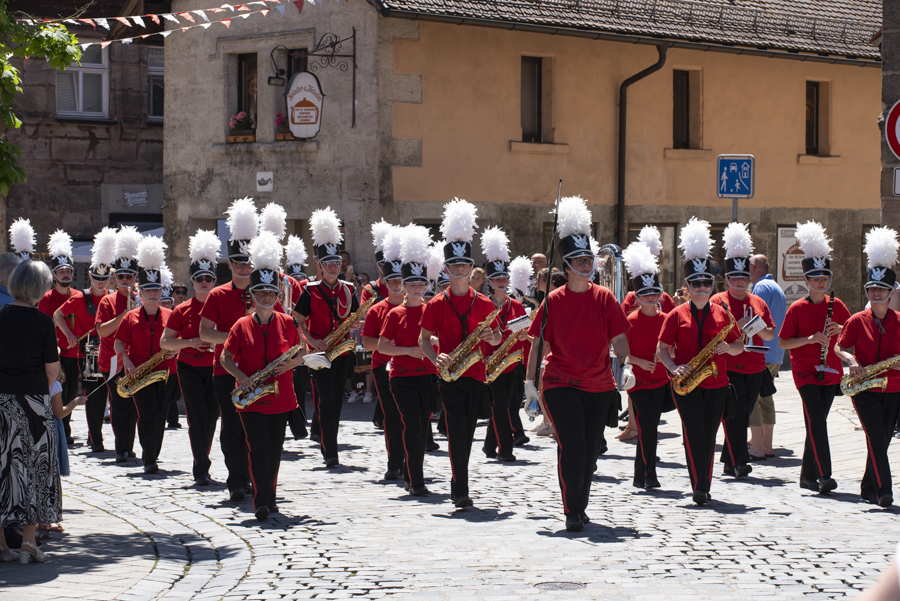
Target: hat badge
266,276
152,275
331,249
204,264
395,266
459,249
647,279
580,241
878,273
699,265
739,264
125,263
62,260
244,246
416,268
819,262
101,269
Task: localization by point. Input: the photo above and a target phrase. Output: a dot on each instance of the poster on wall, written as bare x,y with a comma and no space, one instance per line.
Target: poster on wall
789,273
304,104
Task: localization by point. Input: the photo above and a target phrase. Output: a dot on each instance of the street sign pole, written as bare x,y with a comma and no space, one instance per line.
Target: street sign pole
734,203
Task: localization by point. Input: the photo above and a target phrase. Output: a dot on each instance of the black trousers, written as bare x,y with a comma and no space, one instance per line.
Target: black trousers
701,411
265,441
329,398
95,407
122,416
393,425
152,406
877,413
414,397
515,401
231,435
579,419
173,391
71,368
746,391
201,410
817,402
297,417
500,430
647,405
461,399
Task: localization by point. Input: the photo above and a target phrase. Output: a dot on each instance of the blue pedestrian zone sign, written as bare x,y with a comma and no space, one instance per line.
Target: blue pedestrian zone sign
735,175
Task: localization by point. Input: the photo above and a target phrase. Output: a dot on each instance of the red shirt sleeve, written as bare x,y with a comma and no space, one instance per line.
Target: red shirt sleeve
669,333
372,323
841,313
616,320
850,334
431,314
534,329
175,318
789,325
211,307
235,337
630,303
123,332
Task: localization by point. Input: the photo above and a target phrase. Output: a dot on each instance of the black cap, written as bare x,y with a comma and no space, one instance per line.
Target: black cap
202,267
696,269
457,252
379,257
61,262
326,252
149,278
296,269
647,283
264,279
880,277
392,270
414,272
125,265
575,245
496,269
237,250
100,272
816,267
737,267
24,255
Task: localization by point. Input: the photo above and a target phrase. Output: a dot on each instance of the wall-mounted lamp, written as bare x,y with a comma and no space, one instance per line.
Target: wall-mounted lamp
277,79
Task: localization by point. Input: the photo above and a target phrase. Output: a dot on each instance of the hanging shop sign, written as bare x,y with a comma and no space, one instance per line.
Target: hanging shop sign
304,103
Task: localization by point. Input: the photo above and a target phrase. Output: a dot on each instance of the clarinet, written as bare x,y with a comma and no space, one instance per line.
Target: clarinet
821,373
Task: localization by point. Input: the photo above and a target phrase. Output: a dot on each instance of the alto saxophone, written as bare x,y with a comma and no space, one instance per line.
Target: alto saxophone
502,358
462,357
244,397
851,386
335,345
698,365
143,376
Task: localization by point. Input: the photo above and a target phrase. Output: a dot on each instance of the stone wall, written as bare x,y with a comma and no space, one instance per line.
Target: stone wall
890,93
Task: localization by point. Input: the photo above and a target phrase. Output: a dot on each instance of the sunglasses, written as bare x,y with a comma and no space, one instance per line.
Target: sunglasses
124,276
184,290
198,279
701,283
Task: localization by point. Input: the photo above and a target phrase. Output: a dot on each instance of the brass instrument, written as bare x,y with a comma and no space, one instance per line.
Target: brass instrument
286,294
335,345
501,358
243,397
698,365
462,357
612,271
143,375
851,386
134,297
91,359
248,301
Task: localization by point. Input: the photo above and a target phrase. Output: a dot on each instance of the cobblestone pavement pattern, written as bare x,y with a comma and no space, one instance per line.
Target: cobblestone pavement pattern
346,533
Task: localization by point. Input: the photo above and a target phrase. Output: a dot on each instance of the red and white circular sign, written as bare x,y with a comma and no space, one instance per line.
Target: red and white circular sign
892,129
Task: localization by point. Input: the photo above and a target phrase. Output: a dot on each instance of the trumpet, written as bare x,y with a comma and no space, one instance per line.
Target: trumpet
462,357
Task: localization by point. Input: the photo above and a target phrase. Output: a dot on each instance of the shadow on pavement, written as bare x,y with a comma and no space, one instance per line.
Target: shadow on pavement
596,533
475,514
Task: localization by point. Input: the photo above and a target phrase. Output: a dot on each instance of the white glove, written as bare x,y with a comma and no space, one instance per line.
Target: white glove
316,361
532,405
628,379
530,391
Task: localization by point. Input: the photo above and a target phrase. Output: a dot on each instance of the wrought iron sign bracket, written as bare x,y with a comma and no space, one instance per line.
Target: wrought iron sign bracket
328,53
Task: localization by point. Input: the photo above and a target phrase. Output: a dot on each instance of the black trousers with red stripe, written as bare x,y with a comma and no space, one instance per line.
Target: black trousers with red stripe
413,396
297,417
94,409
72,369
461,399
579,419
817,402
877,413
329,399
647,405
231,434
701,411
152,406
501,428
746,391
393,425
265,442
515,401
202,412
122,416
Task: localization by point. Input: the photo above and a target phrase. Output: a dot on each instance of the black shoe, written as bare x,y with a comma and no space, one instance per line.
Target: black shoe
70,441
379,425
248,490
332,462
489,453
273,509
418,491
506,457
262,514
97,448
700,497
121,458
174,426
651,482
202,480
392,475
432,446
237,495
870,498
301,435
574,523
522,439
741,471
639,482
584,517
603,449
885,500
131,455
729,471
826,485
151,468
315,438
809,484
463,502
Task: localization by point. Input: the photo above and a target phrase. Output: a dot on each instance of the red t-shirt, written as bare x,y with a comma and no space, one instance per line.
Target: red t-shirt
77,308
224,306
440,319
512,310
805,318
50,302
869,346
320,318
372,328
401,327
141,333
296,289
630,304
185,321
253,351
748,362
109,308
369,289
579,329
642,339
680,330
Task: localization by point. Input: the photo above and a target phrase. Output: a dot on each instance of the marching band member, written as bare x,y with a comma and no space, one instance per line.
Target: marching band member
122,413
378,288
651,238
323,307
254,342
495,246
295,255
809,325
390,273
223,307
690,328
195,357
745,371
137,341
452,315
22,238
166,301
520,277
80,311
651,389
578,386
870,337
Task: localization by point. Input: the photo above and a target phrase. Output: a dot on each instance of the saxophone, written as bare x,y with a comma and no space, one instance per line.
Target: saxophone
243,397
462,357
851,386
698,365
143,376
502,358
335,345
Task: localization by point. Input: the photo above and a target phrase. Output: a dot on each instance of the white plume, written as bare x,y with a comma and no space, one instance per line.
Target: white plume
435,261
325,227
737,241
415,243
243,221
266,251
392,243
651,238
127,241
695,239
595,248
295,252
379,231
103,252
204,245
520,274
881,247
812,239
639,259
166,277
21,235
273,218
459,221
574,216
60,244
151,252
495,244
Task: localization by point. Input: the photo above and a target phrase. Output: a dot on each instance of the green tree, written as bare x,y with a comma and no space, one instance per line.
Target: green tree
21,36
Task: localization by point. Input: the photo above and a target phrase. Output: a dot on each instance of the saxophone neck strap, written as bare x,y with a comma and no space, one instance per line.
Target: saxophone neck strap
700,321
463,319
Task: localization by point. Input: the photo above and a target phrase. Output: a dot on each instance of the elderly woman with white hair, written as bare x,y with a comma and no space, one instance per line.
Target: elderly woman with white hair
30,491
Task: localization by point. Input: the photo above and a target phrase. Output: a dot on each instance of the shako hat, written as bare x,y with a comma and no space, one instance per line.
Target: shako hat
22,238
151,257
127,240
495,246
325,228
243,224
881,254
265,254
458,229
103,253
415,251
738,248
816,249
696,244
295,255
392,246
203,249
379,231
643,268
167,280
520,270
574,228
60,248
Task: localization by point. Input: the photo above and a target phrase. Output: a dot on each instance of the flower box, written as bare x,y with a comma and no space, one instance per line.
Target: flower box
241,136
284,135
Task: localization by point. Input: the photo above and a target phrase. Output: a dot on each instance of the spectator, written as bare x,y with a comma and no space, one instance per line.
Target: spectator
8,262
346,273
538,264
179,293
476,280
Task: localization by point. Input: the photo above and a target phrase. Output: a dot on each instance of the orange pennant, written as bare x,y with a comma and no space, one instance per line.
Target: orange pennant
123,21
155,18
226,23
187,16
89,22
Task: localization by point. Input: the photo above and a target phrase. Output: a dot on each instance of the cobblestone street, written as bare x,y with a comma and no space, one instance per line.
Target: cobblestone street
346,533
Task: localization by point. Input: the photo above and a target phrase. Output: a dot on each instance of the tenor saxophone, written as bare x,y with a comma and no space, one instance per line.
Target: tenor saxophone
335,345
700,365
462,357
851,386
244,397
143,376
501,358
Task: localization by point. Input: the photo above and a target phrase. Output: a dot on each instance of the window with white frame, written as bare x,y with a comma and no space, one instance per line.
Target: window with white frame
83,90
156,83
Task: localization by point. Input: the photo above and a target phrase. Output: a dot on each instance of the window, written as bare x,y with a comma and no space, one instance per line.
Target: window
681,109
812,117
156,83
247,85
669,259
296,63
531,98
83,91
